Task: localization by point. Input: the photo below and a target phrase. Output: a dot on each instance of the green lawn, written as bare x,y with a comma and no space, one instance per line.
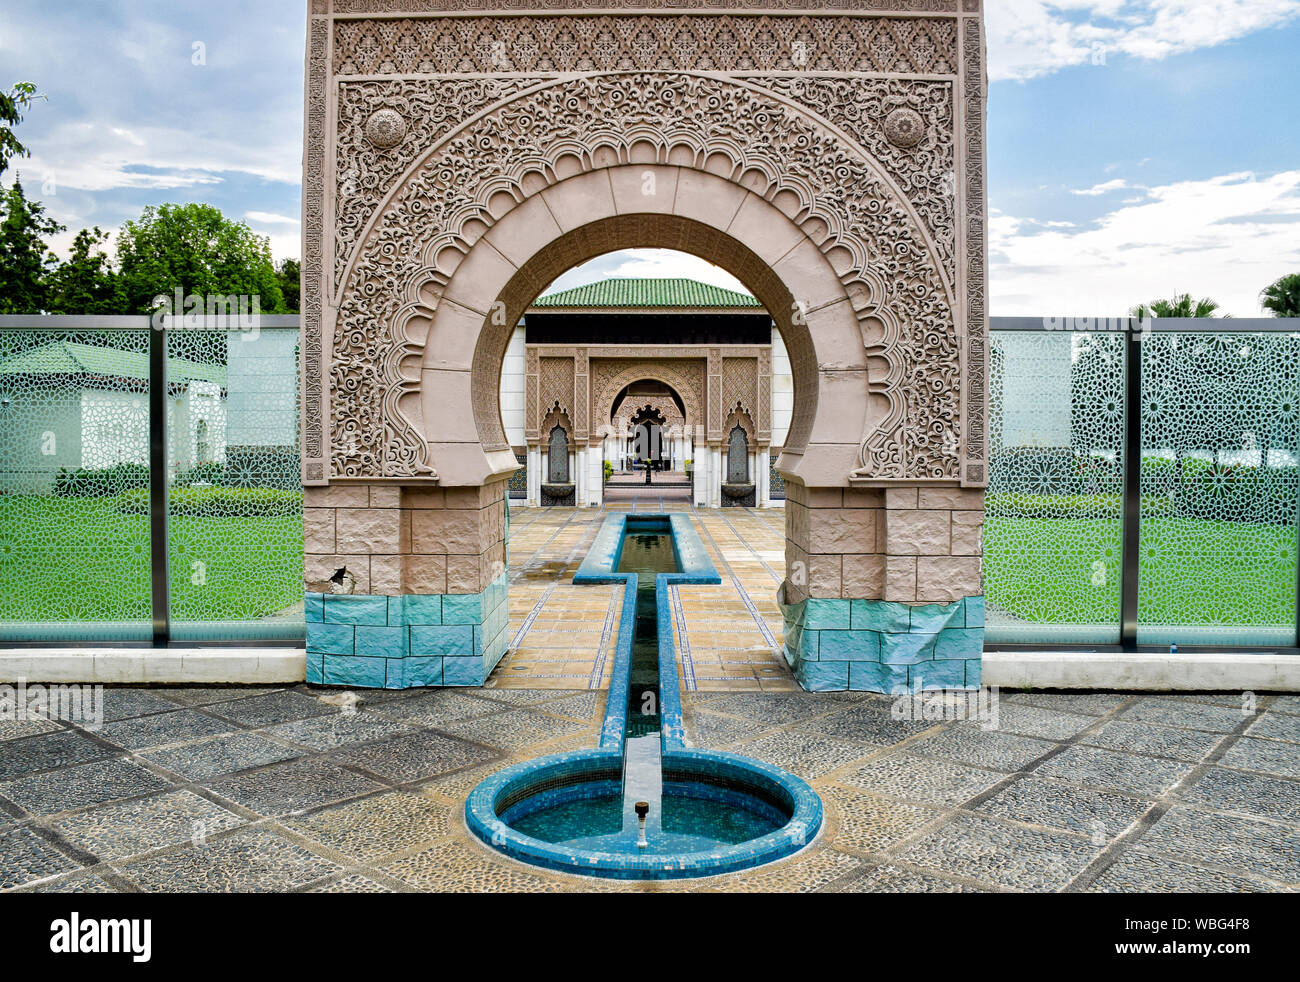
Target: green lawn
1193,572
82,559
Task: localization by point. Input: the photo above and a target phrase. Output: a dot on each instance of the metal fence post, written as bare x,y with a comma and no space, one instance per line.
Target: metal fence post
1295,437
1132,520
158,571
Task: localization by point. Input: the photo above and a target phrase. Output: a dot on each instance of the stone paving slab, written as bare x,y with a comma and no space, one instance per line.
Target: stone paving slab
220,755
162,729
247,861
130,828
305,797
80,786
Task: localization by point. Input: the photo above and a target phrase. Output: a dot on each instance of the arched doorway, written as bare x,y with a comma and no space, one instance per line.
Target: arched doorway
649,418
850,202
558,457
558,488
646,443
737,457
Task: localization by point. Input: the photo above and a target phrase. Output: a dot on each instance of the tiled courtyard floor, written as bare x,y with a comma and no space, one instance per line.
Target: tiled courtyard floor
274,789
728,637
255,789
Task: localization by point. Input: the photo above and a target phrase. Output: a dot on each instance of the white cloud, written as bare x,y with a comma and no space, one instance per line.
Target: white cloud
1119,184
284,246
127,135
96,156
646,264
61,244
1227,237
268,218
141,121
1028,38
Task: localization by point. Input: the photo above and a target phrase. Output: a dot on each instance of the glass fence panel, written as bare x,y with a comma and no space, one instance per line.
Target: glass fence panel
1053,526
74,468
1217,561
234,523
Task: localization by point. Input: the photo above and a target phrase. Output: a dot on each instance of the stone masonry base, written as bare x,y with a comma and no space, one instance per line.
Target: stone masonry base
879,646
402,642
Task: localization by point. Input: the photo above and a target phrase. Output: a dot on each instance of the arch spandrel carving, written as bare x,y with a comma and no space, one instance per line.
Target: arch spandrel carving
739,416
365,173
879,201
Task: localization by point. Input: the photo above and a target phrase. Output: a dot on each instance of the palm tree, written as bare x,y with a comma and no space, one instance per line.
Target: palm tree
1179,306
1283,297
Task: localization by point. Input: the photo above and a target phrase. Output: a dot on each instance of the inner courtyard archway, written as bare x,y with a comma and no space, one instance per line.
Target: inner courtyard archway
831,160
657,353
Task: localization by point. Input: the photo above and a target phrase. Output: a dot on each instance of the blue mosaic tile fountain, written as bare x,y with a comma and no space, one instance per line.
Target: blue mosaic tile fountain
643,805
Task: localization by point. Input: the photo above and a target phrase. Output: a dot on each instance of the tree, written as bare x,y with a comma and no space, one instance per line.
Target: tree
12,104
1283,297
85,283
25,259
288,275
1179,306
197,250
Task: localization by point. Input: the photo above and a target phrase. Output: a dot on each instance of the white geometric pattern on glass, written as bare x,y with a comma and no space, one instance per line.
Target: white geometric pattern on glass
1217,563
74,457
1053,513
234,523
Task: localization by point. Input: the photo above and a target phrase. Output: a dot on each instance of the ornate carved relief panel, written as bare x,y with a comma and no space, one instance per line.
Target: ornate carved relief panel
740,387
421,128
556,385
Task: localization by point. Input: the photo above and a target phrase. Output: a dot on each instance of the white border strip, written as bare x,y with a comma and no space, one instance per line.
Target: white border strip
1006,669
1257,672
185,666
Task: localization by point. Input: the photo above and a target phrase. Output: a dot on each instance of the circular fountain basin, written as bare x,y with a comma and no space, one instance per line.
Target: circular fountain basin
719,813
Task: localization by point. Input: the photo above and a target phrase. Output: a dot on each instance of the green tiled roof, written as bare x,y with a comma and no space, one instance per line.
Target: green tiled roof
647,293
72,358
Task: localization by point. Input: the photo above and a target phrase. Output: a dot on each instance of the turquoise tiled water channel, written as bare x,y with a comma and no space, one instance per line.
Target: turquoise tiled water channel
708,813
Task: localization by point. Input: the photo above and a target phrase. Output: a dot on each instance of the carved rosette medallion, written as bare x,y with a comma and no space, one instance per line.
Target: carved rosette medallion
386,128
904,127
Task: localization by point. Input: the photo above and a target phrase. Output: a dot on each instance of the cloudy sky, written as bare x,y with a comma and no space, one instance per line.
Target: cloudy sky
1137,148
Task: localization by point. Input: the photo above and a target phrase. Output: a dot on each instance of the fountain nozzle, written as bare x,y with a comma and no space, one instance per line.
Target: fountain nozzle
642,809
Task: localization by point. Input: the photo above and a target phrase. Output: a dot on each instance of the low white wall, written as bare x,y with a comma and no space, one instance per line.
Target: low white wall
1156,671
180,666
782,390
1007,670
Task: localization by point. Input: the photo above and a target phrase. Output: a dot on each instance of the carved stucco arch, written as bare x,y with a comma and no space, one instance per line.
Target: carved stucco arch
662,406
670,375
553,418
739,416
904,284
834,437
